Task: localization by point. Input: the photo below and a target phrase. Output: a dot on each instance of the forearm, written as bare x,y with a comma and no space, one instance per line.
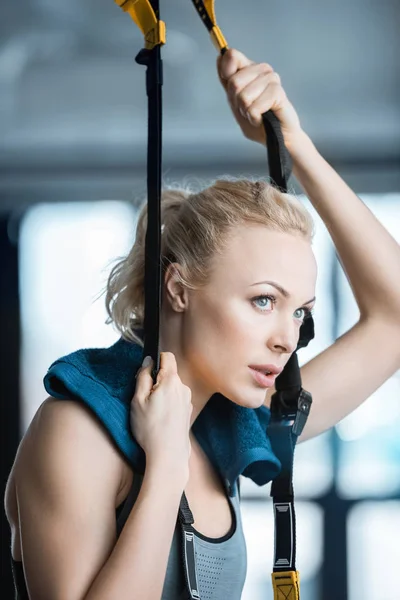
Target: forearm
137,567
368,253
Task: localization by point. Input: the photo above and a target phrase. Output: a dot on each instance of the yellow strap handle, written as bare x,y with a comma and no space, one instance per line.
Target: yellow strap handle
143,14
205,8
286,585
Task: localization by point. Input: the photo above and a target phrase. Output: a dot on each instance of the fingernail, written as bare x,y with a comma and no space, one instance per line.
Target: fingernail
147,361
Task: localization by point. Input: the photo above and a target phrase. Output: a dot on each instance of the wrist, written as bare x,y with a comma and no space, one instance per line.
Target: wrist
298,144
166,467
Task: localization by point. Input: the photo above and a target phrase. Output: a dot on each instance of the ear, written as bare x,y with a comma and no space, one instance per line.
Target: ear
175,293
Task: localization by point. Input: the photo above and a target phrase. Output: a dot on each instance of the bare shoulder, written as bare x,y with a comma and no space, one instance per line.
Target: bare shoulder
65,435
65,430
66,481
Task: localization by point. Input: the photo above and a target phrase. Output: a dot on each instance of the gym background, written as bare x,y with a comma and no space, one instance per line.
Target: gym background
73,120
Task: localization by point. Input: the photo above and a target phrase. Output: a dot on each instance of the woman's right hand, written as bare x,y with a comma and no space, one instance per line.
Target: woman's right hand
160,414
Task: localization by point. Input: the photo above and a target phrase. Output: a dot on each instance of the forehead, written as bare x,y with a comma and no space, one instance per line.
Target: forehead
254,253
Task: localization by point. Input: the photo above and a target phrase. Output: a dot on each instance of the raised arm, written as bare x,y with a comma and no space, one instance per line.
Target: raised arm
362,359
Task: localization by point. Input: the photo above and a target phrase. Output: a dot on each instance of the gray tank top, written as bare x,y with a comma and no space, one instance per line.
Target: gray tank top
221,562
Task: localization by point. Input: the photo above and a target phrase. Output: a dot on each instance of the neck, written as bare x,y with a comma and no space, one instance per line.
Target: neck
171,341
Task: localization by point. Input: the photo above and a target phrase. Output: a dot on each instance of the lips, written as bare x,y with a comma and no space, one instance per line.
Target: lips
265,381
266,369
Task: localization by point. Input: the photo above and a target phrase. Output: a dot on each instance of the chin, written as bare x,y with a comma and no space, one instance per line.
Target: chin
259,403
254,400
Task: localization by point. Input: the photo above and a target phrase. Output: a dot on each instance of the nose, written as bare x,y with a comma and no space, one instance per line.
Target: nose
284,338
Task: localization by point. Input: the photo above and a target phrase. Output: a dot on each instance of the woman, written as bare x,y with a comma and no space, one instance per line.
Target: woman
239,280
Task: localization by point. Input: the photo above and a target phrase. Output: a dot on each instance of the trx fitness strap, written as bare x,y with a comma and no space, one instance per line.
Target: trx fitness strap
290,404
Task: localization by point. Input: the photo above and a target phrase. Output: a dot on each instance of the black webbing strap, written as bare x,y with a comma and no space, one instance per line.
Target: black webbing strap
154,80
153,288
279,160
146,16
290,407
151,58
188,549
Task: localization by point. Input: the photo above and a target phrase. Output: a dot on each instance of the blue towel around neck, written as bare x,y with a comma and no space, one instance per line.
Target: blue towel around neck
233,437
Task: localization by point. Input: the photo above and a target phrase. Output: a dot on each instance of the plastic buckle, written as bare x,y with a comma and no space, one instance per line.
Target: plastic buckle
284,407
286,585
156,36
304,402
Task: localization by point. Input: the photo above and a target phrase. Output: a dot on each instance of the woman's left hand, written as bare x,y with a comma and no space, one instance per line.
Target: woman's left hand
252,89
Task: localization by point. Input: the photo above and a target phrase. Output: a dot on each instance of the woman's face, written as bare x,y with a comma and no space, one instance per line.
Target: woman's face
224,327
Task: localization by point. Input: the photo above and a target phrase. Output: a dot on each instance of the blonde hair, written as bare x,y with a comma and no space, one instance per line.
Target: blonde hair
195,229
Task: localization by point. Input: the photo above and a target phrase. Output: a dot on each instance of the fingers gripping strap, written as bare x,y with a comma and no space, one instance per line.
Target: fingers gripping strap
286,585
144,16
205,8
279,159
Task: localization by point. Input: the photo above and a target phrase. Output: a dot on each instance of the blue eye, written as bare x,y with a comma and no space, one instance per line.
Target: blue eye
307,311
270,298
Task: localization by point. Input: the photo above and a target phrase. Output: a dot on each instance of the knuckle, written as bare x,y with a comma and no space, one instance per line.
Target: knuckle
275,76
232,52
233,85
282,94
245,102
266,67
172,374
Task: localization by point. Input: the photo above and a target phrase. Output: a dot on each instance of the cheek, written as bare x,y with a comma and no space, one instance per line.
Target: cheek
208,337
221,328
220,345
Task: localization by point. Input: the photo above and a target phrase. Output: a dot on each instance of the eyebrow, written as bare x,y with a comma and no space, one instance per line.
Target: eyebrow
280,289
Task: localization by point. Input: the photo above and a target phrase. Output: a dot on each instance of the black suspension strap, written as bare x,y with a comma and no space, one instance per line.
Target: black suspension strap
290,404
145,13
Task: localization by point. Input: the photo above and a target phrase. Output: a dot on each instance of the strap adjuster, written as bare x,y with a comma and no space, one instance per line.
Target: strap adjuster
156,36
304,402
292,410
286,585
142,13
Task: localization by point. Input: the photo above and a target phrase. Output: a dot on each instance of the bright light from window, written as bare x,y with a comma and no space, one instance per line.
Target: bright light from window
369,456
373,551
65,257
